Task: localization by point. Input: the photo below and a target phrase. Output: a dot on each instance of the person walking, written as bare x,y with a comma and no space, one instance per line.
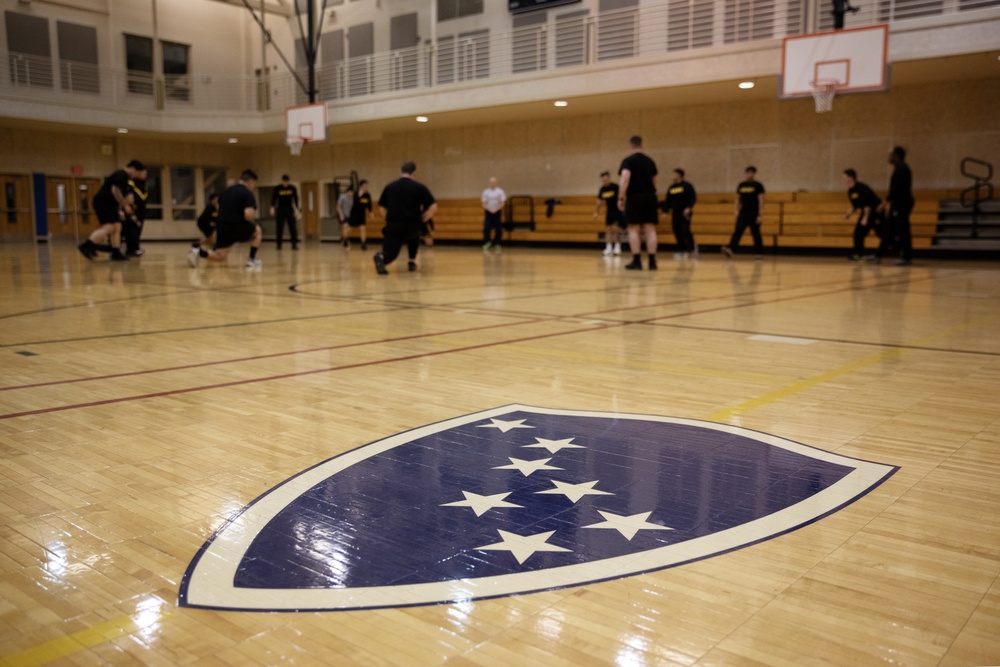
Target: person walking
344,204
406,205
863,199
361,211
749,213
637,200
285,209
493,199
679,203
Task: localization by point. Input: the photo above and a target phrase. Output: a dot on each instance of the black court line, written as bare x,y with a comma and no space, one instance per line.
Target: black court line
258,357
285,376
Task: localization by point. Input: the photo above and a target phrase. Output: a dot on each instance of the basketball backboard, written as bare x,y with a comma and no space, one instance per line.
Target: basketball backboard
854,58
305,123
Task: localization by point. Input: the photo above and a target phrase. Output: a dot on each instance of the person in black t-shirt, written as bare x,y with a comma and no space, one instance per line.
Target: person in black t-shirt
285,209
749,213
865,200
637,200
132,224
406,206
361,212
614,222
679,203
111,205
236,223
208,220
897,207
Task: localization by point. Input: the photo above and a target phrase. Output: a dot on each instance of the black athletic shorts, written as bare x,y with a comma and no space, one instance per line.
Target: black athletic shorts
107,213
229,235
207,228
642,209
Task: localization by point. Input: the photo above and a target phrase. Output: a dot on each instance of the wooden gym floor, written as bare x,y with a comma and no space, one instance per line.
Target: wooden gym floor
143,405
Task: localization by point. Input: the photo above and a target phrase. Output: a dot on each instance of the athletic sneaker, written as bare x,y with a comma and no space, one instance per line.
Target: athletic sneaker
117,256
254,263
379,260
86,249
193,258
727,251
652,263
364,245
634,265
411,265
138,252
618,248
608,250
486,247
347,243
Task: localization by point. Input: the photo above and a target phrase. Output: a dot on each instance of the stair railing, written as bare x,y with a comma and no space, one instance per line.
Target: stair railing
980,182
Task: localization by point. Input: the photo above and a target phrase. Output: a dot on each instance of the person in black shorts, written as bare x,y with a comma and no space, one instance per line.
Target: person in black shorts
637,200
132,224
236,224
897,207
208,220
111,206
863,199
406,205
361,211
679,202
285,209
749,213
614,222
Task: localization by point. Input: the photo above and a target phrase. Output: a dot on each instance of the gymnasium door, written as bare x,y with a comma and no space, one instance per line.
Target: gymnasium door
15,208
310,210
69,205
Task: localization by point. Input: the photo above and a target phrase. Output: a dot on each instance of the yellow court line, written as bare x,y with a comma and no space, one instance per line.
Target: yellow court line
76,642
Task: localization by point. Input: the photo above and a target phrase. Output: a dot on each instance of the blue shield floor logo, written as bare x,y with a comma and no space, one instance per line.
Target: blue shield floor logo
514,500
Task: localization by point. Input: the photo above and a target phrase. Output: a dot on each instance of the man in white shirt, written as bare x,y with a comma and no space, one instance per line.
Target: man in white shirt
493,200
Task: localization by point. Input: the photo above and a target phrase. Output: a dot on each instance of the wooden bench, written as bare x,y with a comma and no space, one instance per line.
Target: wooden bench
795,220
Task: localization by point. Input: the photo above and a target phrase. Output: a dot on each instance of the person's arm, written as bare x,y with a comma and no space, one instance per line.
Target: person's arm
623,187
122,200
250,213
865,212
429,212
383,210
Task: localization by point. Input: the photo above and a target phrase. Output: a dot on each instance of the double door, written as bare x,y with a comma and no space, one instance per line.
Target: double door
68,203
15,208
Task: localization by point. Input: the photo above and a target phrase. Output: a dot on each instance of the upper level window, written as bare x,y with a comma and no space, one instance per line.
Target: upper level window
29,50
139,63
453,9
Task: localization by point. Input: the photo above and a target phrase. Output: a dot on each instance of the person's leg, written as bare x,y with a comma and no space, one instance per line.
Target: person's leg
677,226
279,220
363,234
497,229
293,230
412,246
255,241
649,231
610,236
905,237
635,246
487,229
116,243
758,240
391,245
860,232
345,234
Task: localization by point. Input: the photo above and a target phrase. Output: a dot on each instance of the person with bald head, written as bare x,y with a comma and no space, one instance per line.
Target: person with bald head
493,200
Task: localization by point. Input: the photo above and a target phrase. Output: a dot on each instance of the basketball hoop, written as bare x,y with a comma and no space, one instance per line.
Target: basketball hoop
823,91
295,146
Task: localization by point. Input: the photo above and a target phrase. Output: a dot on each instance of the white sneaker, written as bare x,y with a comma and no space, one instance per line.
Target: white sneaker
607,250
618,248
253,263
680,255
193,258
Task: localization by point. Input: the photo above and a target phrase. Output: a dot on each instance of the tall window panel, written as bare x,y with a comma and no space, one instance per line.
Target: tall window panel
78,57
571,39
154,188
689,24
182,194
29,50
616,31
139,64
530,50
175,70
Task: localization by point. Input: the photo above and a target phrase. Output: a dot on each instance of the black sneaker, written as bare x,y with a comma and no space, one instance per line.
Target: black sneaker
412,266
347,243
379,260
138,252
364,246
634,265
86,249
117,256
652,264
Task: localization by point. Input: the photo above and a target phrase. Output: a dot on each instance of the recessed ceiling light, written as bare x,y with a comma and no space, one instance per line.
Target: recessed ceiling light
122,130
422,119
233,140
747,85
561,103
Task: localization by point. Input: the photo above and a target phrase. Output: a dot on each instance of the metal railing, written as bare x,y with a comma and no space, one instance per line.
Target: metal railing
576,40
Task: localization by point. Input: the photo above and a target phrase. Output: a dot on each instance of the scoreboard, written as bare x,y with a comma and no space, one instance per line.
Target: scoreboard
518,6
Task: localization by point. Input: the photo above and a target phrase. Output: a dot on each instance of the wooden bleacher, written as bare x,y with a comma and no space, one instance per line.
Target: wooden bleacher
792,220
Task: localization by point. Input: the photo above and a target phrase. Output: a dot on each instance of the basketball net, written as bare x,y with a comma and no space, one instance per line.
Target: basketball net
823,92
295,146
